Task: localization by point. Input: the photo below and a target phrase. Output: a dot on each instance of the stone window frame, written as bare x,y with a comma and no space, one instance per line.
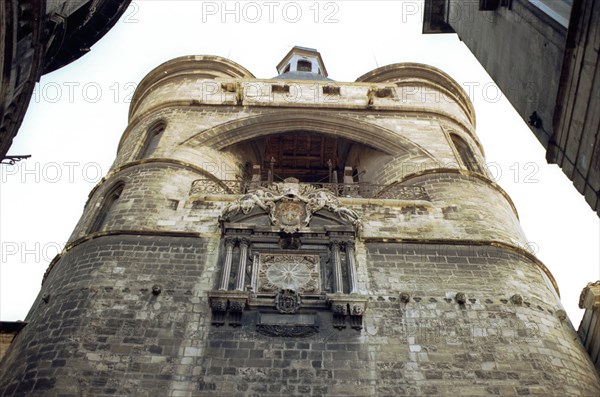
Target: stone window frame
463,153
105,205
304,65
151,139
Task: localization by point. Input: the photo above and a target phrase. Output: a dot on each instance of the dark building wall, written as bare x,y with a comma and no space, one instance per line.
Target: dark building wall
39,36
575,146
101,312
21,59
103,331
522,49
548,71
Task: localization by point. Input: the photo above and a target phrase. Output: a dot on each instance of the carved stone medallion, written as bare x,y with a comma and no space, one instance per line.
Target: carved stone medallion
287,301
290,215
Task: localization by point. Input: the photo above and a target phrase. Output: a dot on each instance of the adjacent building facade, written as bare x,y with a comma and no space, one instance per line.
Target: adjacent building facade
589,330
38,37
543,55
297,236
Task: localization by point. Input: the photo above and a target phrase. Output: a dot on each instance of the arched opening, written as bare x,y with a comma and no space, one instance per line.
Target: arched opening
304,66
108,203
367,154
153,136
308,156
466,155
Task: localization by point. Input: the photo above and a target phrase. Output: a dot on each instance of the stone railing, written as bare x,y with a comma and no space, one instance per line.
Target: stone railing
354,190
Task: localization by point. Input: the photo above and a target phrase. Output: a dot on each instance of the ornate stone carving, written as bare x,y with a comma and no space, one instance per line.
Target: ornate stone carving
287,271
357,310
236,308
404,297
210,186
219,309
289,214
236,305
287,301
258,198
219,305
344,305
516,299
290,205
227,302
397,192
290,331
340,308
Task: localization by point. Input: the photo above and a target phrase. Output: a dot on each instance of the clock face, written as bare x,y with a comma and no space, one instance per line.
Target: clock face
294,272
289,275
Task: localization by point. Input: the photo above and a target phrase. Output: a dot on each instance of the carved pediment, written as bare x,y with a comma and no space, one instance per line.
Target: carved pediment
290,206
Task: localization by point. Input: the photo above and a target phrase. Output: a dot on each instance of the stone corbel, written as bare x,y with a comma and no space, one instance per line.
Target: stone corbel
353,306
590,296
227,302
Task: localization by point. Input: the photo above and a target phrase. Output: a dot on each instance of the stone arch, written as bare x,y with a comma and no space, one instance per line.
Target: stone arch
238,131
465,154
107,202
151,138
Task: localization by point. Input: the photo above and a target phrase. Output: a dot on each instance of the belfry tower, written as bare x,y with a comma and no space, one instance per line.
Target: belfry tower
297,236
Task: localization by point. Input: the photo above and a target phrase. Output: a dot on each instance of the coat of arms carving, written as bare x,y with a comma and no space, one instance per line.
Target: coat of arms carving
290,205
289,215
287,301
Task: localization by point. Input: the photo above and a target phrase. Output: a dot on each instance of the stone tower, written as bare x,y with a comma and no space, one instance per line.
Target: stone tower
297,236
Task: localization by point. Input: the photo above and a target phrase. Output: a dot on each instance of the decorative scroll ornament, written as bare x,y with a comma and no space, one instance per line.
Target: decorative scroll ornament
290,205
290,331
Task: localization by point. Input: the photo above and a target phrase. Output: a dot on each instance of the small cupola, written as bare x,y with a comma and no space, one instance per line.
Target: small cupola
302,63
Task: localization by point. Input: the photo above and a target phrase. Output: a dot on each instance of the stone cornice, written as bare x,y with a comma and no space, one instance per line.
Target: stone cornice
491,243
97,235
199,66
113,173
402,73
480,243
406,110
466,173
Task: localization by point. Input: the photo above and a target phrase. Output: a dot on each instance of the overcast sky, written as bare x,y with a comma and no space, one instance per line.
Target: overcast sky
79,112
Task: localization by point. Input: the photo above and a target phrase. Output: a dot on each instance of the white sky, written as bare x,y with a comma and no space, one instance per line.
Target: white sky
79,112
